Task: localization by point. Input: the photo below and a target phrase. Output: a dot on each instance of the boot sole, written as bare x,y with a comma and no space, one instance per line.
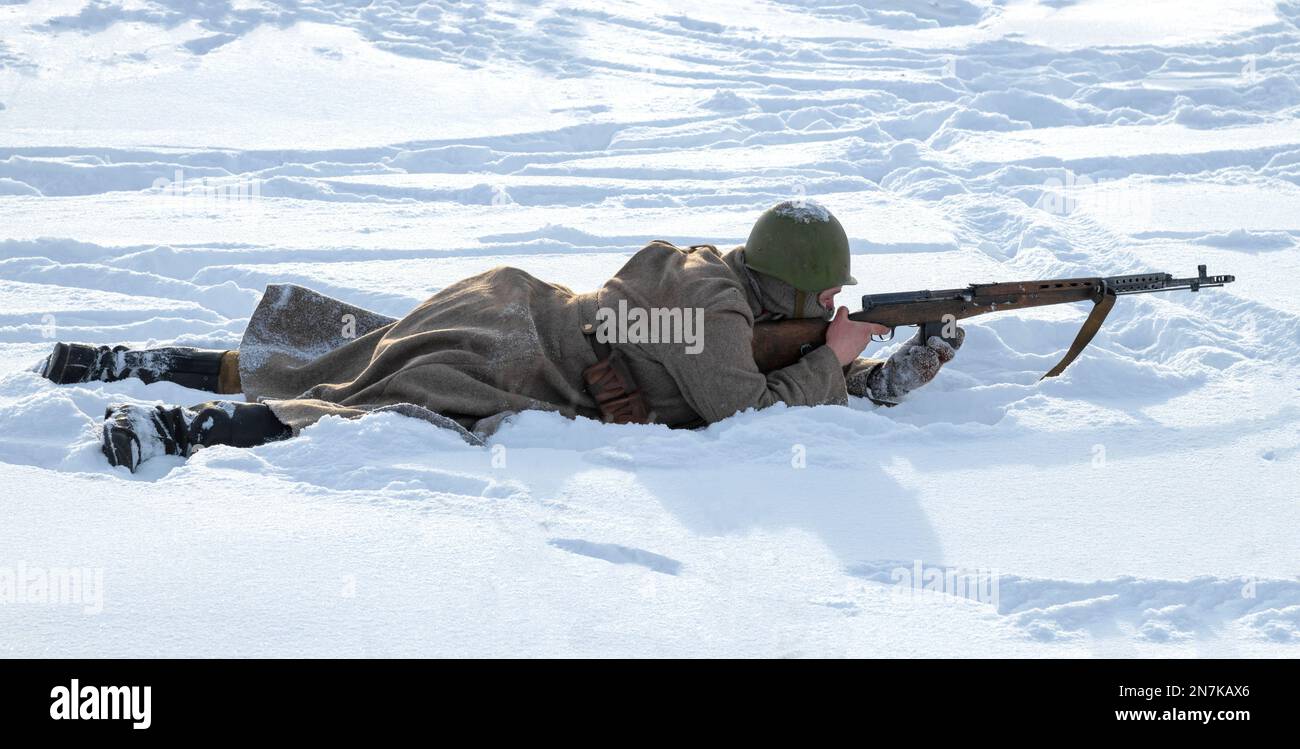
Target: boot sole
62,367
57,363
121,447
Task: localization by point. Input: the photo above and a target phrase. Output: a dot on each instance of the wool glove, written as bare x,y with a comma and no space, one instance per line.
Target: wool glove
910,367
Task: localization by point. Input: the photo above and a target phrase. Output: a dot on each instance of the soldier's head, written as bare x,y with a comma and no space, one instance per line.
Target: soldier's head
800,243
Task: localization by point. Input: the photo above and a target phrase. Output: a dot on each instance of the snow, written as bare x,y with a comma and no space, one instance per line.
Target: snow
1143,503
803,211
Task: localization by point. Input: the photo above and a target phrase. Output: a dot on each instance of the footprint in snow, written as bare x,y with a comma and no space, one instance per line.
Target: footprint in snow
616,554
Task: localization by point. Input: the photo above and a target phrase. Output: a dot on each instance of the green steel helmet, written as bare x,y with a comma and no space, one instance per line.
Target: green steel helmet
801,243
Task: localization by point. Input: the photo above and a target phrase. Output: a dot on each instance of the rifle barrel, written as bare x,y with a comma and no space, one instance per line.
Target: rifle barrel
1145,283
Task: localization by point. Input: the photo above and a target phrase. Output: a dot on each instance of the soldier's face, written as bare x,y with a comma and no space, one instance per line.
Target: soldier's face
827,298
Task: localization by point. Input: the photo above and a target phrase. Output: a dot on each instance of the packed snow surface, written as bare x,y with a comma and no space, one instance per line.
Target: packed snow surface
162,161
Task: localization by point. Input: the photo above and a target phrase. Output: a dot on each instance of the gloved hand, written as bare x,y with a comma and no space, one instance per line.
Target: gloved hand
913,365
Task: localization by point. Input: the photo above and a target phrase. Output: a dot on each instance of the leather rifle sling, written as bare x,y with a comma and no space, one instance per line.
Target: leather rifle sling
1090,327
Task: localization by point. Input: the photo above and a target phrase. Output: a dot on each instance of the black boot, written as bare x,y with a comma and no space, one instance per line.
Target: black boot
77,362
134,434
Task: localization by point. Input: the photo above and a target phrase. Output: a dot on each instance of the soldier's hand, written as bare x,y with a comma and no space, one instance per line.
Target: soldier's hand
847,338
912,366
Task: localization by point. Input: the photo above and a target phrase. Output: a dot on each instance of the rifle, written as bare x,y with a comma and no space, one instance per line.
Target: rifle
782,343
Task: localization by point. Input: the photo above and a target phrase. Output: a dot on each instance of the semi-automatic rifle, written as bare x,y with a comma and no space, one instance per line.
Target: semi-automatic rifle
782,343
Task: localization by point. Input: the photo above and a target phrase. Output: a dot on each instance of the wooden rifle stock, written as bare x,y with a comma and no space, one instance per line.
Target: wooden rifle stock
780,344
